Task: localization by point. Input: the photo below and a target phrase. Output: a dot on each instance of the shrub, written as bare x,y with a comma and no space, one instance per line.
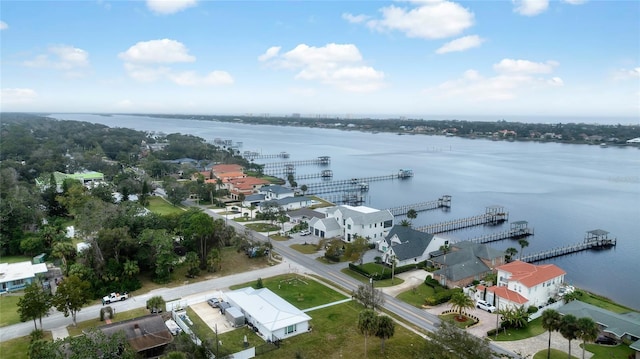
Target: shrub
532,309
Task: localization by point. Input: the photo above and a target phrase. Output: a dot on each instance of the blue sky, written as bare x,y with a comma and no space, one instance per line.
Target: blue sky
428,58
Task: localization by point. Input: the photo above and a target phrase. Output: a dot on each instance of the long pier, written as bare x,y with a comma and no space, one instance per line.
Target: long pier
323,174
250,155
353,184
493,214
352,198
519,229
322,160
442,202
595,239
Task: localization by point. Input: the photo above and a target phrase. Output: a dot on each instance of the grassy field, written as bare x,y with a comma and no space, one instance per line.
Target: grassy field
603,302
9,310
606,352
300,291
119,317
417,295
555,354
377,283
263,227
306,249
18,348
160,206
452,317
15,259
533,329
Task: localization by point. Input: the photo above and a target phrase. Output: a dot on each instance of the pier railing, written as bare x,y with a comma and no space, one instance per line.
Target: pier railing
573,248
442,202
486,218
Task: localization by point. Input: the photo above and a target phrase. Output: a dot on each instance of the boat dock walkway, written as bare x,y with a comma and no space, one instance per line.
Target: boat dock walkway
519,229
353,184
322,160
249,155
595,239
442,202
492,215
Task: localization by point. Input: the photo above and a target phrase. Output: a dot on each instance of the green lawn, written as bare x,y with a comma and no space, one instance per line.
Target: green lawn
263,227
603,302
417,295
453,318
160,206
15,259
9,310
533,329
18,348
606,351
335,335
232,342
301,292
376,283
119,317
555,354
305,248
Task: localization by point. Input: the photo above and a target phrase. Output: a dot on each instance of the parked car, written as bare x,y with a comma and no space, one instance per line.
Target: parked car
484,305
305,232
602,339
213,302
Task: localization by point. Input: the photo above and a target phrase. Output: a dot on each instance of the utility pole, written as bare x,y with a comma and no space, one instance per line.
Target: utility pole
497,313
371,281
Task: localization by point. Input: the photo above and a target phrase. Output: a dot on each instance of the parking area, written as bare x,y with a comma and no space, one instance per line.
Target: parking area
212,317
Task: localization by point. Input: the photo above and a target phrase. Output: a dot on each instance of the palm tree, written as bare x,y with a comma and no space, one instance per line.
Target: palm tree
511,253
551,323
523,243
459,302
569,329
367,325
405,223
385,328
412,214
588,331
304,188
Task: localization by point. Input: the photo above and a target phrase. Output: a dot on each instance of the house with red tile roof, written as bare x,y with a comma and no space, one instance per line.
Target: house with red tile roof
523,284
245,185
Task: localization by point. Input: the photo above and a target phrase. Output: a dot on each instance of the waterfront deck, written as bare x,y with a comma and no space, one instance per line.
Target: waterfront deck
250,155
595,239
492,215
442,202
353,184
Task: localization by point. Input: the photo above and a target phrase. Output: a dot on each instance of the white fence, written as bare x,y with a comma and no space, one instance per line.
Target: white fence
538,314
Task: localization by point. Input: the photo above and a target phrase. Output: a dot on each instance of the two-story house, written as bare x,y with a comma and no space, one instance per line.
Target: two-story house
523,284
348,221
407,246
463,262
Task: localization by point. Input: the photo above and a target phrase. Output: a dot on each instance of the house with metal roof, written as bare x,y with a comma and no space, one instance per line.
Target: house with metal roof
276,192
624,326
465,262
273,317
147,335
407,246
16,276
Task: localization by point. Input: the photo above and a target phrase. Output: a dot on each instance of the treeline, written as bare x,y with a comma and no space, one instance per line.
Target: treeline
124,239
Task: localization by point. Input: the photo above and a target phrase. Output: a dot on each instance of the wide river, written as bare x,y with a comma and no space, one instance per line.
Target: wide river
562,190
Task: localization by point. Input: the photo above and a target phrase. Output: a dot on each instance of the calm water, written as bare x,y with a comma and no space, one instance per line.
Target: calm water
561,190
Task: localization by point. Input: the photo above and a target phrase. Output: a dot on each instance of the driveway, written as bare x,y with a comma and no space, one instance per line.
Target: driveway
213,317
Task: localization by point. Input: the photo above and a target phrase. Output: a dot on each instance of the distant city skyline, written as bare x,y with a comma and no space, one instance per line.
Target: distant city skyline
427,59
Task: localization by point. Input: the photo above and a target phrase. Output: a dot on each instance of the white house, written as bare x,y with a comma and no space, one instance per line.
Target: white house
276,192
16,276
325,227
408,246
287,203
370,223
274,317
524,284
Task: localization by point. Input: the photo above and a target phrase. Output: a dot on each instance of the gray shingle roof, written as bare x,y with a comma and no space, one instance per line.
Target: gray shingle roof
617,324
413,243
466,269
360,218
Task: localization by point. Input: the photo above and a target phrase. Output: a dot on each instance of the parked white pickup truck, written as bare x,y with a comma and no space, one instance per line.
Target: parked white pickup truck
114,297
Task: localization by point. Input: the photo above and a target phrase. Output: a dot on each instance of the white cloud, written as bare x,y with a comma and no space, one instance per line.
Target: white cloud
530,7
3,25
626,74
461,44
524,66
271,53
337,65
575,2
430,20
165,7
514,77
148,61
163,51
72,60
12,96
191,78
355,19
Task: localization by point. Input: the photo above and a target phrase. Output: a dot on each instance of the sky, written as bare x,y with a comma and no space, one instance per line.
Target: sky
427,58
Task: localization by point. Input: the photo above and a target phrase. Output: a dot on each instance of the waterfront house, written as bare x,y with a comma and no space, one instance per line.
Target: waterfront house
370,223
273,317
325,227
523,284
276,192
286,203
408,246
465,262
246,186
16,276
621,327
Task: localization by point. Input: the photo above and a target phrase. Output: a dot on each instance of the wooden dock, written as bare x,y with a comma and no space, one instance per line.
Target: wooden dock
519,229
595,239
492,215
250,155
322,160
323,174
442,202
353,184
